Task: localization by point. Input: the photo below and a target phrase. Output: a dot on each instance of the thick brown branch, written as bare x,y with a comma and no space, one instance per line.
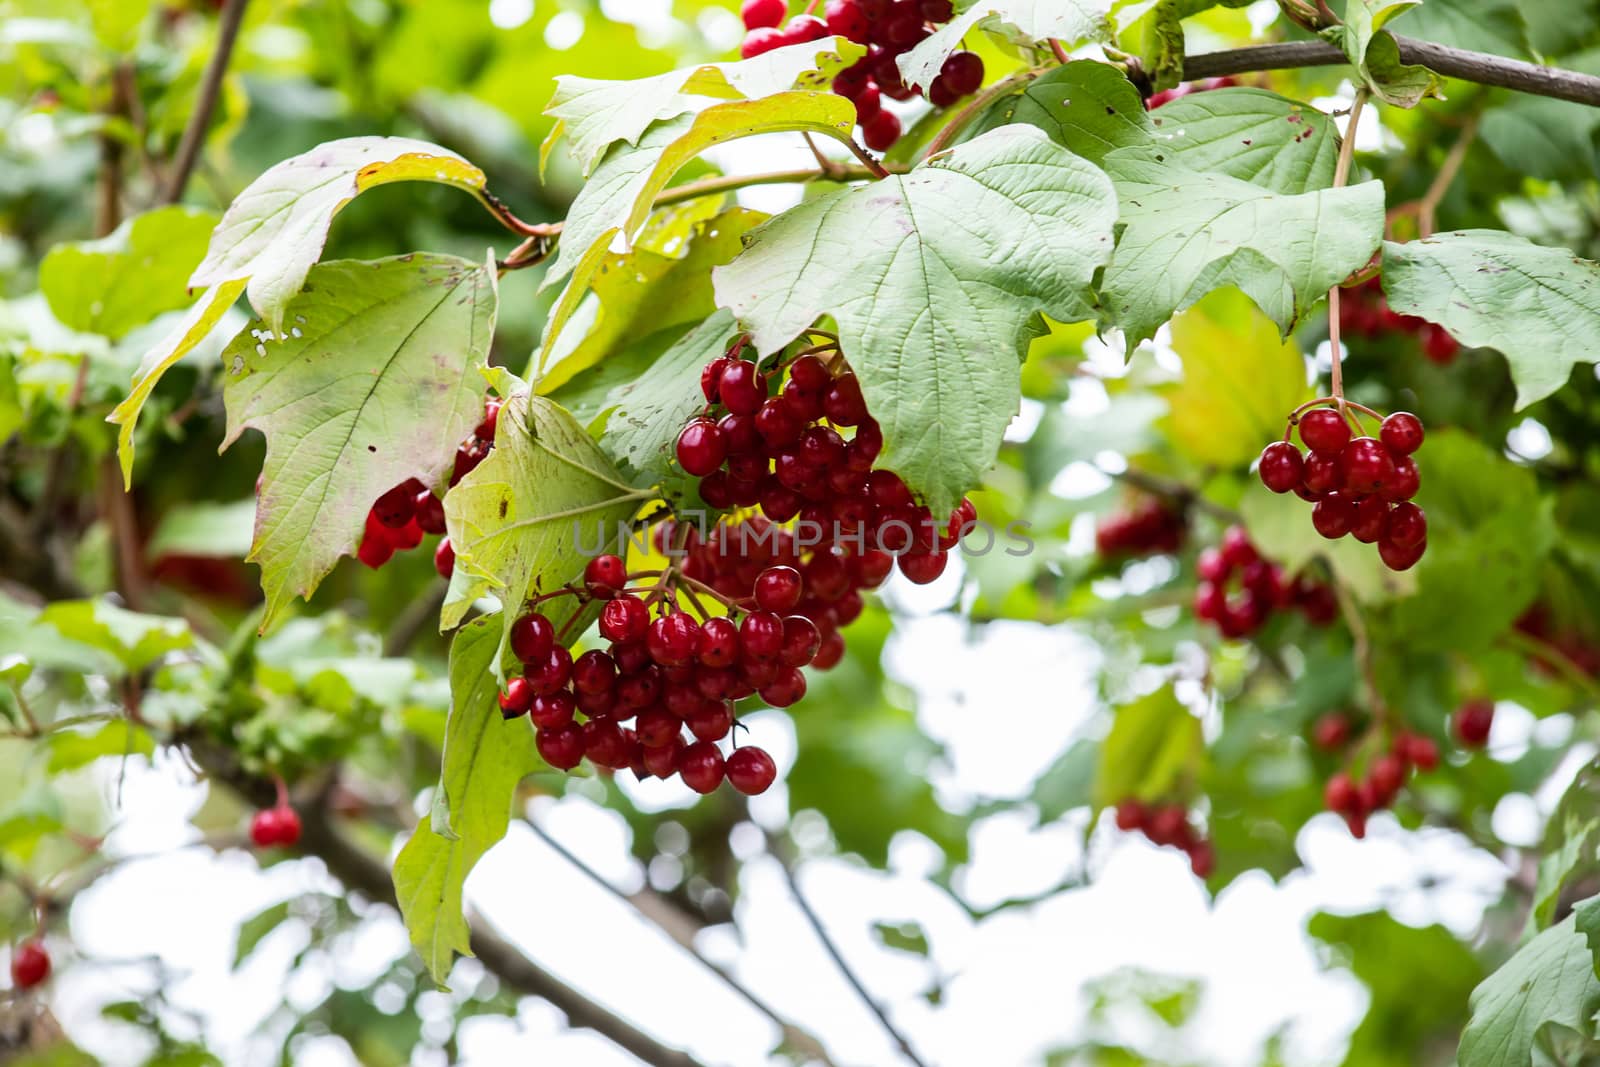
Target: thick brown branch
194,133
1479,67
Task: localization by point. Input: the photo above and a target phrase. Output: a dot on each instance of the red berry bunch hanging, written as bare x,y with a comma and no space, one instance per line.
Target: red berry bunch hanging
1204,85
30,964
1360,486
1357,798
781,449
1168,825
1150,528
889,28
401,516
1364,312
1239,590
275,827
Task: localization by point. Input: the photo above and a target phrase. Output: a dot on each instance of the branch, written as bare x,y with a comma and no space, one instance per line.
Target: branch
786,861
194,133
1479,67
682,930
362,871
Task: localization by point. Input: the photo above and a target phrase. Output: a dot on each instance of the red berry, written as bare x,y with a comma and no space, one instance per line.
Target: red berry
1472,723
761,40
1408,526
1168,825
1237,551
1402,433
604,577
552,710
444,559
594,672
830,652
881,131
30,962
1401,559
1366,465
923,567
1387,775
429,512
761,635
398,506
1333,516
1372,519
701,448
605,745
673,639
743,388
761,14
1131,815
532,638
376,549
711,377
788,688
1202,859
963,73
1421,752
801,641
719,643
561,746
701,767
845,19
803,29
1322,472
711,720
624,618
1340,795
516,697
1403,481
777,589
484,431
751,771
552,674
1324,430
1331,731
1281,466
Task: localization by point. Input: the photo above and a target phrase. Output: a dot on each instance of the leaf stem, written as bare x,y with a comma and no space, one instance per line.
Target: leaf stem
1341,172
1428,206
194,131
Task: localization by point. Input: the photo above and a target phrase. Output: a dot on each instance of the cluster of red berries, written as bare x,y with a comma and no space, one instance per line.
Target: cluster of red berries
668,675
781,450
30,964
1579,649
1364,312
1204,85
401,516
1168,825
889,28
1361,486
1261,589
275,827
1151,528
1357,798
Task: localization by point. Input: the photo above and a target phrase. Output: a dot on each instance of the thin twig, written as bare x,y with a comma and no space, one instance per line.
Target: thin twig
1428,206
786,862
194,132
1172,490
682,930
1478,67
1003,87
412,621
1341,172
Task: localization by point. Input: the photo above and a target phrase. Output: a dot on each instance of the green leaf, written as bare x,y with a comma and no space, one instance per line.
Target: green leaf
646,412
1068,783
1088,106
1163,44
906,937
372,384
1281,529
532,513
645,292
1239,378
1475,25
133,640
1543,138
1489,532
617,199
1418,977
595,114
195,328
1550,982
254,930
1020,21
935,279
484,758
274,231
71,749
1571,846
1154,749
215,531
1539,306
111,285
1186,234
1376,56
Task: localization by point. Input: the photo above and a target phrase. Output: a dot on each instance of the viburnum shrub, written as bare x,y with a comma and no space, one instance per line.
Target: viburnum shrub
1021,330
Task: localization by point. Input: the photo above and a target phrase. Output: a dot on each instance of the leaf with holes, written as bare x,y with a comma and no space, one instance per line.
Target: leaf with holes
372,384
935,279
595,114
1185,234
1539,306
484,758
1019,21
529,517
1376,56
274,231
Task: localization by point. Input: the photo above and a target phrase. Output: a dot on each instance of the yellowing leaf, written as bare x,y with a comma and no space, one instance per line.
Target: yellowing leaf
1153,751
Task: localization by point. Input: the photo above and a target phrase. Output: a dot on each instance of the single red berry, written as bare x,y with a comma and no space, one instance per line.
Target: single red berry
751,771
552,674
594,672
1372,519
881,131
760,14
760,635
605,745
760,40
532,638
1401,559
1202,859
1210,602
1168,825
743,388
711,378
484,431
801,641
1131,815
639,689
516,697
1366,465
1402,433
937,10
673,639
376,548
923,567
711,720
605,576
843,403
787,689
30,963
701,767
398,506
560,746
1322,473
1237,551
701,448
1356,821
444,559
624,618
1281,466
430,512
1403,481
1387,775
778,589
552,709
1340,795
719,643
803,29
1333,516
1472,723
1421,752
1324,430
1408,526
830,652
1331,731
846,19
963,72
